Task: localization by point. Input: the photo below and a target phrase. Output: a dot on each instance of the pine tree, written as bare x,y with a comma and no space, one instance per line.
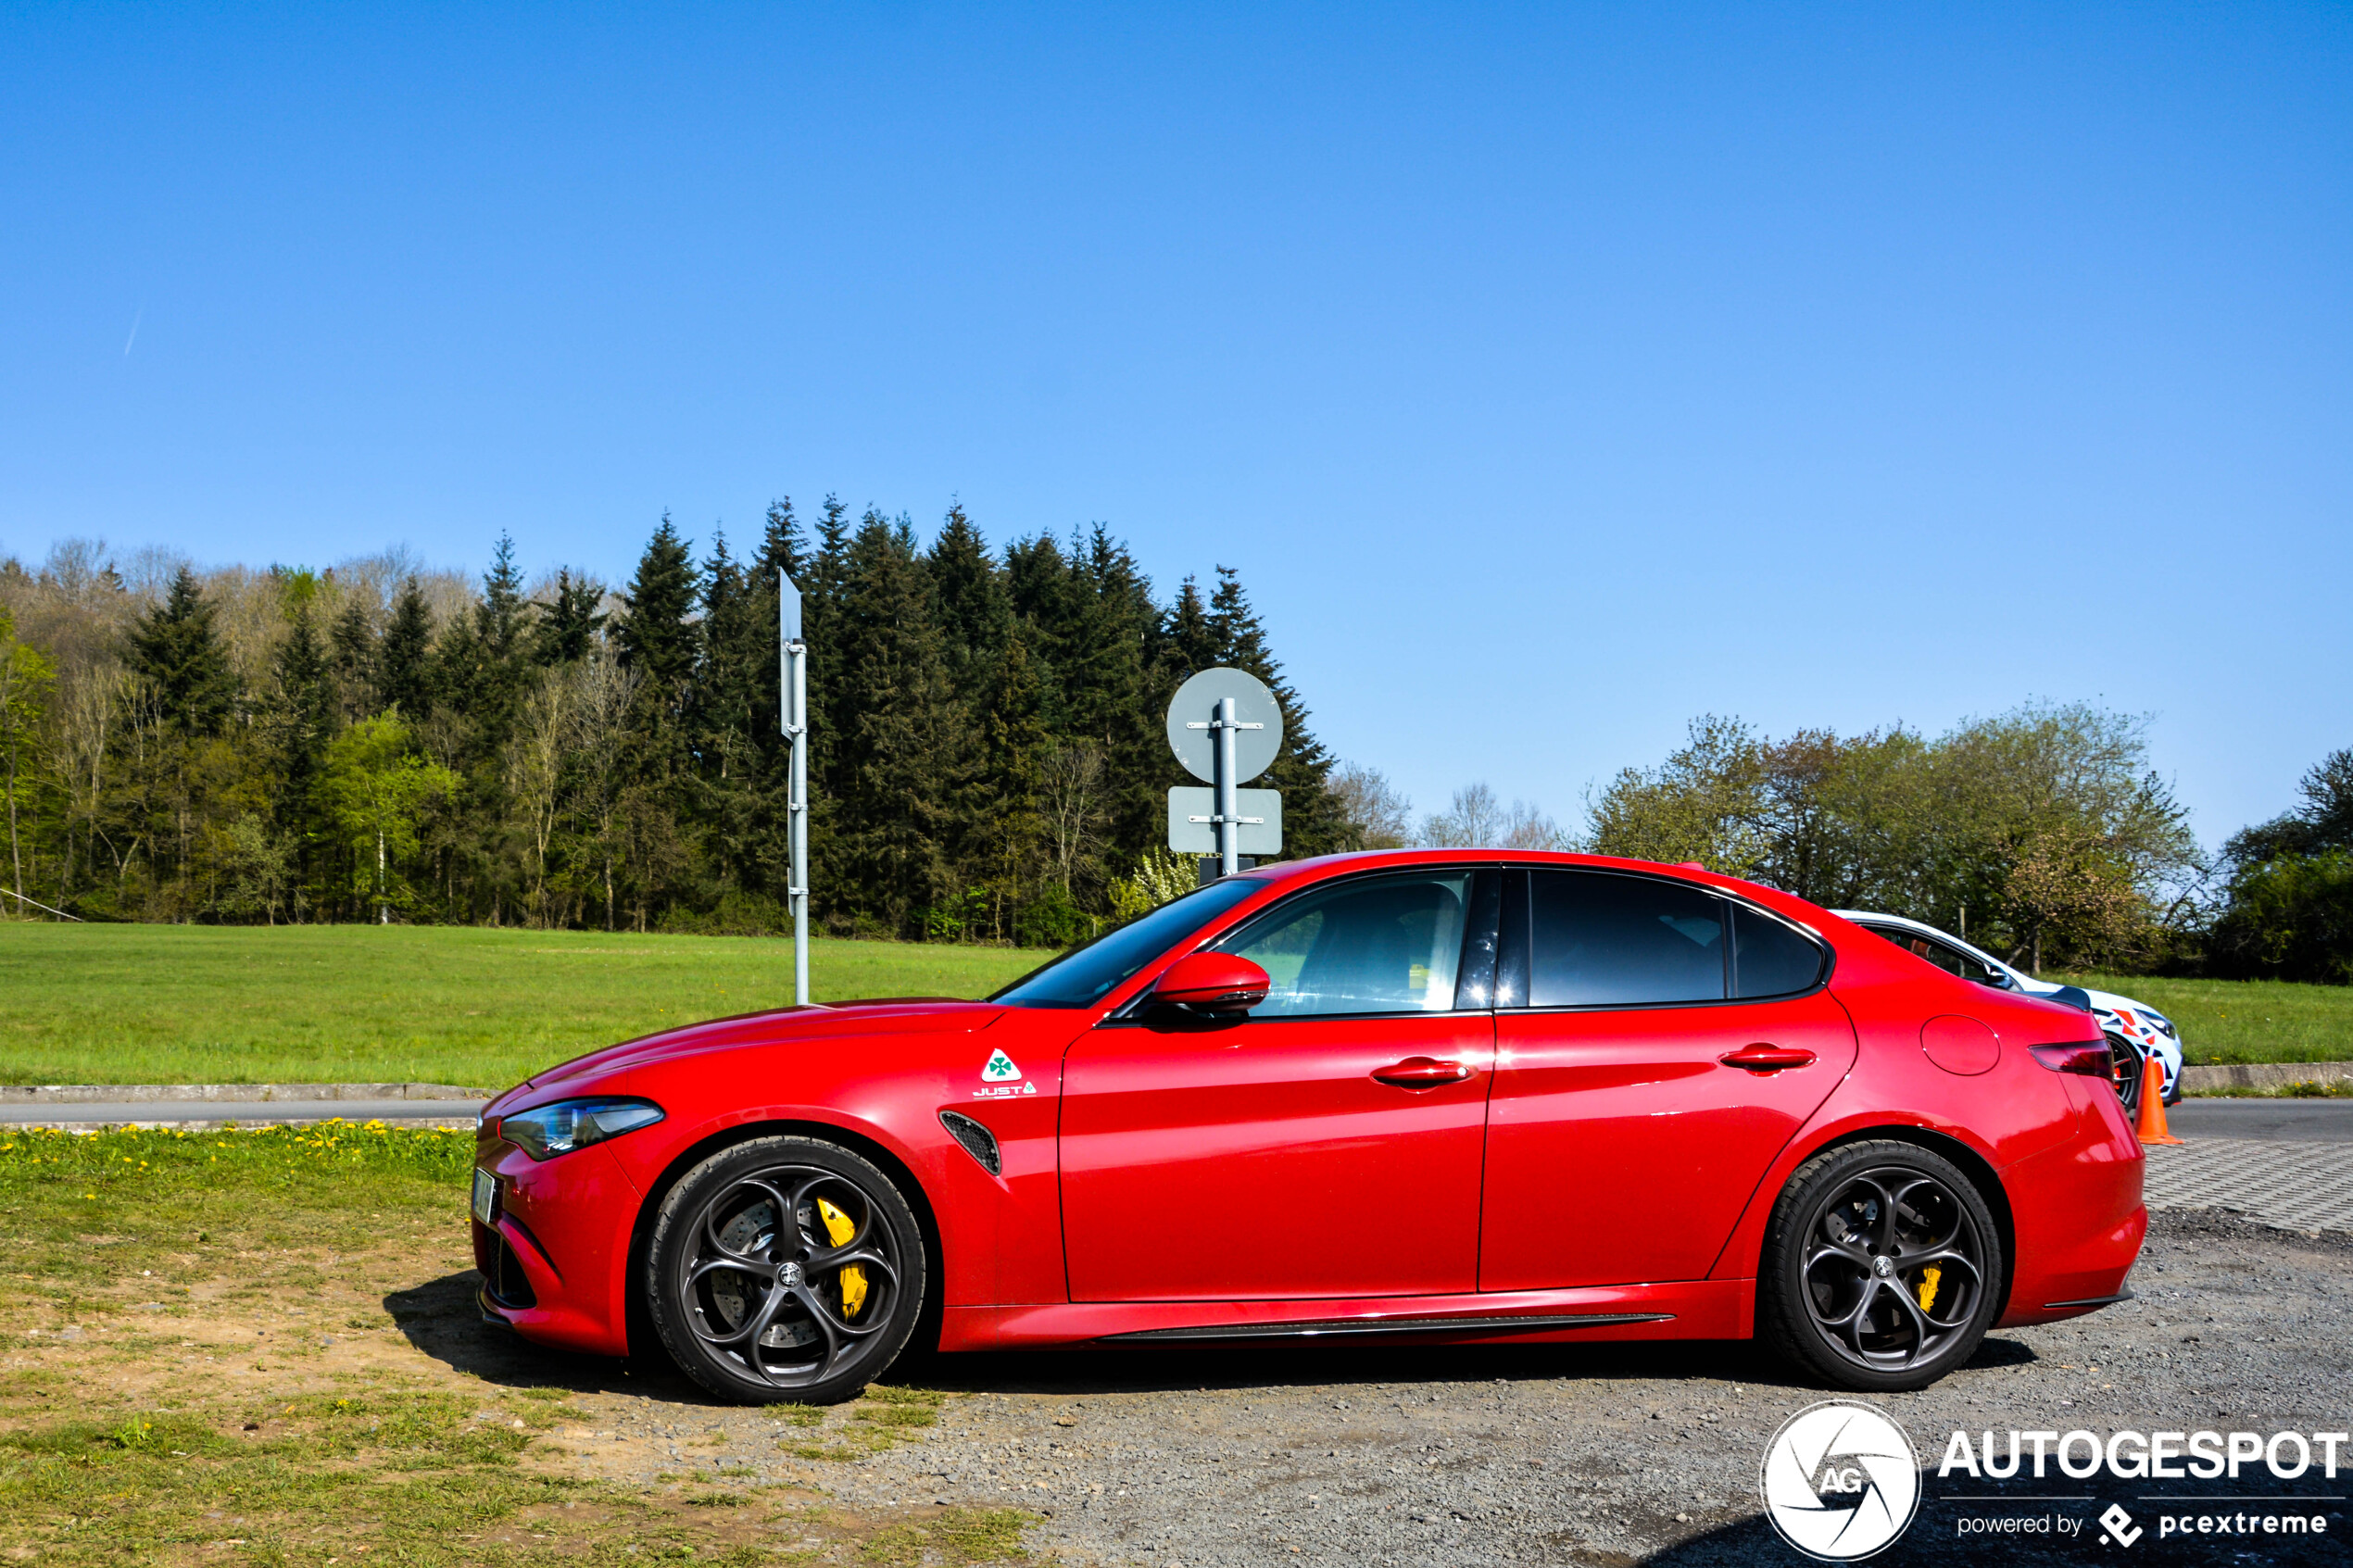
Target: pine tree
661,642
901,747
1048,600
975,616
404,659
501,653
354,644
1107,690
571,622
1189,642
302,720
1000,839
175,646
823,623
657,634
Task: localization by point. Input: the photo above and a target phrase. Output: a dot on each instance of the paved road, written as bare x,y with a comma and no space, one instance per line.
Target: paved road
246,1114
2300,1121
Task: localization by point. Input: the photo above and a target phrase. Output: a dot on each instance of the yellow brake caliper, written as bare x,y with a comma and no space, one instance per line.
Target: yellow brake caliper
853,1278
1929,1276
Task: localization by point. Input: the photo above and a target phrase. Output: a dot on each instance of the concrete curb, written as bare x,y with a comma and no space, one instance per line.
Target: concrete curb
2273,1076
239,1123
243,1094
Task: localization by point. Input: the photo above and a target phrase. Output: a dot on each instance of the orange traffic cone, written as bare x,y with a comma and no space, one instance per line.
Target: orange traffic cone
2151,1127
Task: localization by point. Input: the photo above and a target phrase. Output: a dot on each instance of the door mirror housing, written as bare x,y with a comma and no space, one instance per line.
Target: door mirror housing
1214,984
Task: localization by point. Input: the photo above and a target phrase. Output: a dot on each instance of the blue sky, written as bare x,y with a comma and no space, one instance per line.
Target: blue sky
1550,374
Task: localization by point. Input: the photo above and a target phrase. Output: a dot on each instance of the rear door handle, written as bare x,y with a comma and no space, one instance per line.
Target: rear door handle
1422,1072
1762,1057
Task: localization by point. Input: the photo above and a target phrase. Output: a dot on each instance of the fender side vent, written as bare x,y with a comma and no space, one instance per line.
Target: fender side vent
978,1141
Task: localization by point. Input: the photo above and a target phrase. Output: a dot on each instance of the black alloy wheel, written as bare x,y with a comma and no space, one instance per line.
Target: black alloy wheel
785,1269
1882,1269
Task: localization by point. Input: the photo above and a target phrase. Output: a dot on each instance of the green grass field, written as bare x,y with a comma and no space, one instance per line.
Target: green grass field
2244,1020
157,1004
160,1004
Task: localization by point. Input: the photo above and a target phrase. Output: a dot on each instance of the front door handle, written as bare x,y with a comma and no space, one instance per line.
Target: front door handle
1422,1072
1762,1057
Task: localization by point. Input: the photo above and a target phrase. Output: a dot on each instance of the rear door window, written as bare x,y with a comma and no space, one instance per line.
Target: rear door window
1600,940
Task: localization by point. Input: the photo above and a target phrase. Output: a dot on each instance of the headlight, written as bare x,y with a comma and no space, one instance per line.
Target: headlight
546,1131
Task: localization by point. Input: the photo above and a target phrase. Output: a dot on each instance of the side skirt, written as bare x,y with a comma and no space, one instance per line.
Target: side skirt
1688,1310
1482,1326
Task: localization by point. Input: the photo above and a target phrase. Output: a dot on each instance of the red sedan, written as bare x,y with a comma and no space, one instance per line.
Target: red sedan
1462,1095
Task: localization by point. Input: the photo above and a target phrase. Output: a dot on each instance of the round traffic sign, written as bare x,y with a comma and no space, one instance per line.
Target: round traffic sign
1195,707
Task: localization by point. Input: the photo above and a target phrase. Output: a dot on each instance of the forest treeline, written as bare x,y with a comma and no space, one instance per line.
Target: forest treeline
376,742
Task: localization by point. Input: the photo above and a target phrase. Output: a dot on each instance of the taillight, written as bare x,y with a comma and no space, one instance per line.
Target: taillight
2090,1059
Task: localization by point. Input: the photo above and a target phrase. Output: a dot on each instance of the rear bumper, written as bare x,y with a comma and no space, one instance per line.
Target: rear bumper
2078,1217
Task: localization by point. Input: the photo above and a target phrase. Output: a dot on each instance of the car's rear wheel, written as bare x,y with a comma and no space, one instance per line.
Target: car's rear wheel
785,1269
1883,1268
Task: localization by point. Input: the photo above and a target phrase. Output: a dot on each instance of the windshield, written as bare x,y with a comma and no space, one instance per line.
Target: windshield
1085,975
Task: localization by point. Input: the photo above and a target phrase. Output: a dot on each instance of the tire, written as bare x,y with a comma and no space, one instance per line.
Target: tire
1846,1259
758,1315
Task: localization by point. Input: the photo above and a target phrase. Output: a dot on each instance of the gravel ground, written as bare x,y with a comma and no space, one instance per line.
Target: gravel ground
1548,1454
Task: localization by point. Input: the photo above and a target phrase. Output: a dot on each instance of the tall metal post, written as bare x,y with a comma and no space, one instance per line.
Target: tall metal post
1230,826
795,684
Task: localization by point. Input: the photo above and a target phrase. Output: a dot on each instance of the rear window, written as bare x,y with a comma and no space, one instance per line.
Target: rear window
1771,959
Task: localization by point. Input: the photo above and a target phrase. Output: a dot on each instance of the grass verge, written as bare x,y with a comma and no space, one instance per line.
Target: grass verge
254,1348
2224,1020
162,1004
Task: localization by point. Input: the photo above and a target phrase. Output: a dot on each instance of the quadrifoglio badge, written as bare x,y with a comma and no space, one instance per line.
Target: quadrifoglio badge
1001,1079
1840,1481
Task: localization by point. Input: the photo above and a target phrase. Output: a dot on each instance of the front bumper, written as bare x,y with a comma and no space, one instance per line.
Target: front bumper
554,1255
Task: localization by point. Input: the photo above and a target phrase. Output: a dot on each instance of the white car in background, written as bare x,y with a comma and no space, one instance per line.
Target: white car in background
2135,1031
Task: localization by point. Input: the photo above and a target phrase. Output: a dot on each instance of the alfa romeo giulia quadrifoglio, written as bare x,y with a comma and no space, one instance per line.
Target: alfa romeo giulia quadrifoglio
1432,1096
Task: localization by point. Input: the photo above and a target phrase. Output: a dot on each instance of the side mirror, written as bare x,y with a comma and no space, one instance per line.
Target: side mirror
1217,984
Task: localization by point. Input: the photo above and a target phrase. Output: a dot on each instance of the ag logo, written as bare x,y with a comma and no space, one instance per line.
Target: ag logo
1001,1069
1840,1481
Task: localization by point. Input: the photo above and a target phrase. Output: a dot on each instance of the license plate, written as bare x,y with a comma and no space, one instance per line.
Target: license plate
485,1196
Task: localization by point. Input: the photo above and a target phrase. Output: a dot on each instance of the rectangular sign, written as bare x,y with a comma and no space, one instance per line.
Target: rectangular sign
1192,833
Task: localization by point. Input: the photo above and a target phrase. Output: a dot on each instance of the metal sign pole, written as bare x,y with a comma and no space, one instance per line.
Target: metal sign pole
795,682
1229,827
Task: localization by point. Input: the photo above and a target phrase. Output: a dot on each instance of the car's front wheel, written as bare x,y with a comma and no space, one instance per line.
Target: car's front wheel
785,1268
1883,1268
